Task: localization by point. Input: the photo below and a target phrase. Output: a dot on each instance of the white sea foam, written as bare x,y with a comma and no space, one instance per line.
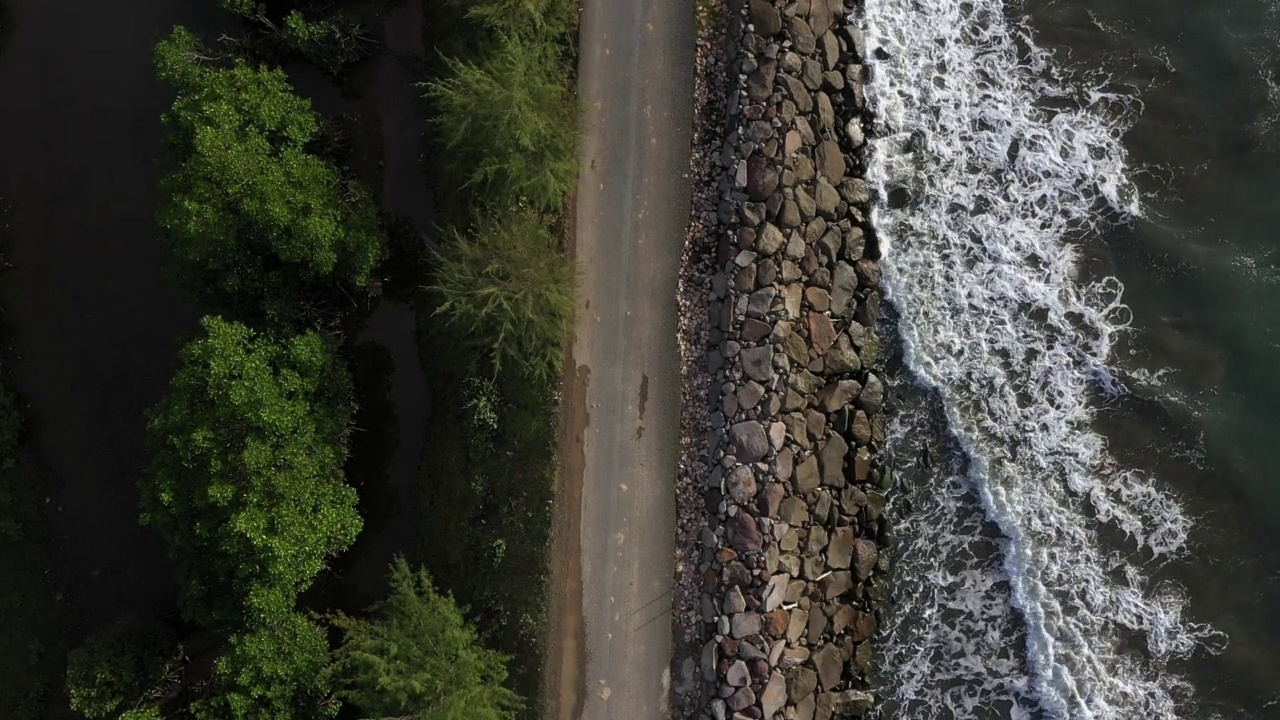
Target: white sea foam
1006,167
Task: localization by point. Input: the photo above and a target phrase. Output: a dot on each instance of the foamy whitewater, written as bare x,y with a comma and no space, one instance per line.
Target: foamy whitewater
1005,168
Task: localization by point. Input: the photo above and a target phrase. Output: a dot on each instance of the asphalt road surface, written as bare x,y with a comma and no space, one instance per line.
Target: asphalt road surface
613,641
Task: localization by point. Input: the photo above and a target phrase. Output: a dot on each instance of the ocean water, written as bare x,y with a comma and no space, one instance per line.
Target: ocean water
1079,214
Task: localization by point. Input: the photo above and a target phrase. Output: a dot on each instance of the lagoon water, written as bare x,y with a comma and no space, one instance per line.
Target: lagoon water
1080,220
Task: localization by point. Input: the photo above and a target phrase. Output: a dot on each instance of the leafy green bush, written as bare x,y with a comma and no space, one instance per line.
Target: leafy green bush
508,288
252,214
275,672
508,124
118,668
416,657
246,481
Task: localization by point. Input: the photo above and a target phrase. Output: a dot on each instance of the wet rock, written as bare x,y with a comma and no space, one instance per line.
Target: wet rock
741,484
861,626
865,556
871,399
855,191
851,703
853,130
855,243
868,273
749,443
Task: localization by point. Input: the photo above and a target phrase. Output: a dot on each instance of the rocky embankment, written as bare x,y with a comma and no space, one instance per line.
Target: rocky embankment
783,563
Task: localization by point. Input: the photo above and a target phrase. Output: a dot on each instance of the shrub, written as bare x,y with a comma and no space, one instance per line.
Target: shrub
508,287
508,124
416,657
246,480
549,18
116,669
251,213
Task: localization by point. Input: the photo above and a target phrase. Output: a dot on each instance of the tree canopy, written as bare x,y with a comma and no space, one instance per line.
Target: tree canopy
250,210
274,672
246,480
508,124
117,668
552,18
508,286
415,656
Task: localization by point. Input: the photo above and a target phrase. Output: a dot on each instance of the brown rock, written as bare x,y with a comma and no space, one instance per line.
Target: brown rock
861,626
765,18
822,333
753,330
830,666
817,625
743,533
775,622
802,37
771,498
741,484
837,395
793,511
861,465
830,162
750,444
760,81
831,457
836,584
744,624
801,682
741,700
774,696
818,299
868,273
861,428
865,556
842,358
840,549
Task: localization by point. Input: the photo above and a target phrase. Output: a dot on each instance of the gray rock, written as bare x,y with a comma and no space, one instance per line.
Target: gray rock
771,498
775,591
804,205
871,399
856,41
826,113
831,457
831,241
791,295
853,129
710,653
840,548
828,201
802,37
760,82
744,624
765,18
811,74
741,700
734,603
820,17
750,444
830,163
801,682
861,427
741,484
737,675
798,93
817,620
791,63
836,584
792,214
793,511
837,394
852,703
795,627
865,556
774,696
861,465
762,178
805,382
855,243
855,191
844,283
749,394
830,49
804,169
743,533
842,358
757,363
777,435
807,478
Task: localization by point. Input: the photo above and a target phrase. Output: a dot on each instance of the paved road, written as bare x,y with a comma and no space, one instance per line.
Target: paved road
636,85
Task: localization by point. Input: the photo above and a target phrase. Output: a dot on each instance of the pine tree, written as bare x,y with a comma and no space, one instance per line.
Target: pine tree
415,656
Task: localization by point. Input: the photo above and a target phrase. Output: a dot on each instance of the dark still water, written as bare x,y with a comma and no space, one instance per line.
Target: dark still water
1083,256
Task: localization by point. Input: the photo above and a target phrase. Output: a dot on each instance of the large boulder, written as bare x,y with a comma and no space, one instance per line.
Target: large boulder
766,18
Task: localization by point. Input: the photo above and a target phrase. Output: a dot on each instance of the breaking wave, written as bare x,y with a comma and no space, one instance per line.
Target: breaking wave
990,172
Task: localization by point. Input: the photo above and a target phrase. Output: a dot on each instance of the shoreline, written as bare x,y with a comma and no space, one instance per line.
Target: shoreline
783,484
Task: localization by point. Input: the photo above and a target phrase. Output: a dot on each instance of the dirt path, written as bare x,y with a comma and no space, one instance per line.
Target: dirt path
611,647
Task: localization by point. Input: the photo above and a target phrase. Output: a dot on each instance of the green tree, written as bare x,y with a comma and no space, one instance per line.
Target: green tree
275,672
508,124
246,479
251,213
509,288
332,43
118,668
416,657
549,18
